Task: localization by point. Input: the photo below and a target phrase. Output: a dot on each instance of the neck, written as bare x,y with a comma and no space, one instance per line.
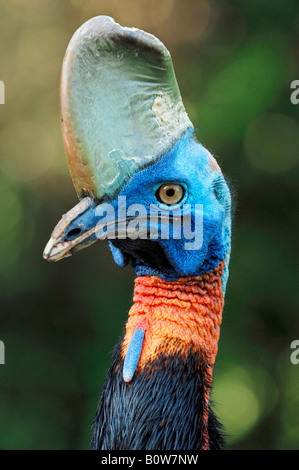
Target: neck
188,310
181,323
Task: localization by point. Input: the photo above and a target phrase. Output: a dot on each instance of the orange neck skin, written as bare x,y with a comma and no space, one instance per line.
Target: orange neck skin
189,310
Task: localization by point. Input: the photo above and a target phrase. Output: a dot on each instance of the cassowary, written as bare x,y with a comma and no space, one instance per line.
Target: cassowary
147,185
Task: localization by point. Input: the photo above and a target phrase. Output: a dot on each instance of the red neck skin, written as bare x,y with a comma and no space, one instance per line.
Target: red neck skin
188,310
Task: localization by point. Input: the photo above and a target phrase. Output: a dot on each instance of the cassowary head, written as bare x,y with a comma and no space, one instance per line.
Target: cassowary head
143,180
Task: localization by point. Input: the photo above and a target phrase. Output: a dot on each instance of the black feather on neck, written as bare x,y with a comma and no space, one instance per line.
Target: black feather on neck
163,408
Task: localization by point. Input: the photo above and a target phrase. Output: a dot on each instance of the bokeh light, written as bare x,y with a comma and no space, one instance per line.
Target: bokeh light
239,406
272,143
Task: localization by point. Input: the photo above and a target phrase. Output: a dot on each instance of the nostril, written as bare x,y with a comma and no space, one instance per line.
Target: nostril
73,233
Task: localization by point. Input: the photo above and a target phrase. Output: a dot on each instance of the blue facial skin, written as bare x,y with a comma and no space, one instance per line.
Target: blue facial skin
86,221
187,164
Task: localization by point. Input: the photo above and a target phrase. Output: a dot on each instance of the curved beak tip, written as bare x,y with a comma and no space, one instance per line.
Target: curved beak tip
54,251
47,250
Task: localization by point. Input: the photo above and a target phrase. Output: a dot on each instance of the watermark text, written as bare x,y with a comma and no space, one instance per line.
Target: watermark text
2,92
295,94
295,354
154,222
2,353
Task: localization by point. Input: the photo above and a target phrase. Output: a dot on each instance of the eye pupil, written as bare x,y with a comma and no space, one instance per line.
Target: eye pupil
170,194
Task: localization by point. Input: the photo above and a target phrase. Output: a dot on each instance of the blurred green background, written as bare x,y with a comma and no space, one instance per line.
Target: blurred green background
235,61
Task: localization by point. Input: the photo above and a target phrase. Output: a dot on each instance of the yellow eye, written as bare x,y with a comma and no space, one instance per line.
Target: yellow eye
170,194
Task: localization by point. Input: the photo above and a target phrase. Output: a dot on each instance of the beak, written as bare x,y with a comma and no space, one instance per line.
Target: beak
80,227
69,236
56,250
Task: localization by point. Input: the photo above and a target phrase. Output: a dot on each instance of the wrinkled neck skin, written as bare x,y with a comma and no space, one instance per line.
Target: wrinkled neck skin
188,310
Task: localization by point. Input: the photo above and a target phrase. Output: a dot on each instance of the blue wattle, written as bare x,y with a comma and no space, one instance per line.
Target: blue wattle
133,354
